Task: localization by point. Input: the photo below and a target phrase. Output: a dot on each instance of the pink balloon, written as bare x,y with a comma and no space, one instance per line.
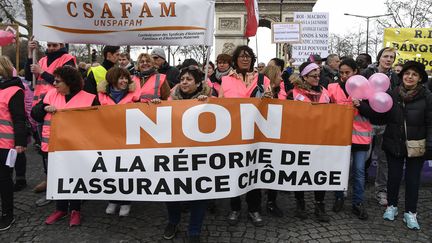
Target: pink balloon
6,38
358,87
380,102
379,82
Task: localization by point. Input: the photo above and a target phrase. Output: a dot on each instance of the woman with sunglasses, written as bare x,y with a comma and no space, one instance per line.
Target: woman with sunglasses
242,82
154,86
307,89
68,93
191,86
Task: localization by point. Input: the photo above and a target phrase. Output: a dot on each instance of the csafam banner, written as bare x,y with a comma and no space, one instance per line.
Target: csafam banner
191,150
411,44
118,22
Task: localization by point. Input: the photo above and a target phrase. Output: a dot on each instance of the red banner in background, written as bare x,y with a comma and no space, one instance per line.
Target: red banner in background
252,17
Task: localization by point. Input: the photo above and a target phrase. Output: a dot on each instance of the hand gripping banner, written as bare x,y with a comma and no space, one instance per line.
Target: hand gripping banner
190,150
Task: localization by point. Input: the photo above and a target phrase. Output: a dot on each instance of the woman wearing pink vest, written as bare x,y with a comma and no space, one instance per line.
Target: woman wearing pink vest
274,73
307,89
242,82
153,84
68,93
118,88
13,136
361,137
223,68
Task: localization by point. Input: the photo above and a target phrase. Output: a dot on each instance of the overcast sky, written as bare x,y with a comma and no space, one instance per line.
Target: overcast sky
339,23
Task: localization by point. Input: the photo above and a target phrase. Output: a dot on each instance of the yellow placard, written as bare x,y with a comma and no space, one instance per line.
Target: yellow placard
411,44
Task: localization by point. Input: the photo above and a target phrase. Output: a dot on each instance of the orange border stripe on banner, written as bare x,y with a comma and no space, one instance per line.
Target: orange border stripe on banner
104,127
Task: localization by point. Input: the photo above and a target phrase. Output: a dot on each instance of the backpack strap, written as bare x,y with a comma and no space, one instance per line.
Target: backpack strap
259,87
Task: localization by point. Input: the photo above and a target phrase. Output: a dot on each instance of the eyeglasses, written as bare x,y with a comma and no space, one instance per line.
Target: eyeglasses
247,57
313,76
155,57
143,61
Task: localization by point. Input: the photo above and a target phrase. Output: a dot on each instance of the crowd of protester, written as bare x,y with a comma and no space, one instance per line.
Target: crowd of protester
62,83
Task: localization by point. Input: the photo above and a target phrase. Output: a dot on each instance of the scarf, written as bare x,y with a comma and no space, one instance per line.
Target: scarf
408,95
312,92
116,95
180,95
219,74
203,89
144,75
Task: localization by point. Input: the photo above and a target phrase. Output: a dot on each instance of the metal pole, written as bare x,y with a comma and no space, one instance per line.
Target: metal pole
367,35
207,64
169,54
256,44
280,20
280,11
34,56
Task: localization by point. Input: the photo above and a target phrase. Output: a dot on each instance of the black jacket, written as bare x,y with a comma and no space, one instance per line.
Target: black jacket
373,68
172,74
90,85
328,76
17,110
418,115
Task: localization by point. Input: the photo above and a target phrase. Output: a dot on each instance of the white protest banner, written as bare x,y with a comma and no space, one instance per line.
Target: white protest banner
190,150
314,36
117,22
285,32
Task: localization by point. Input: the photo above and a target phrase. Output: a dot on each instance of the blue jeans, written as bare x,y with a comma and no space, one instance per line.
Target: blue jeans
358,171
197,213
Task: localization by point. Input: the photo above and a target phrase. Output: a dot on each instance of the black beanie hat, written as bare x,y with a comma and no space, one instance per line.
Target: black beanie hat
380,53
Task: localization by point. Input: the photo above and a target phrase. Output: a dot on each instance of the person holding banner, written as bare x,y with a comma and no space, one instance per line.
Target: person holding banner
13,136
383,64
118,89
361,137
191,86
307,89
274,73
408,140
68,93
153,84
56,56
242,82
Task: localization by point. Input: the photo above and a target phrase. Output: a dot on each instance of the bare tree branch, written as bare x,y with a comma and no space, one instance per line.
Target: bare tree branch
408,14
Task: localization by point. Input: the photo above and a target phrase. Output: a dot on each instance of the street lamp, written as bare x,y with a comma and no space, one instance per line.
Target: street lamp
280,10
280,20
367,25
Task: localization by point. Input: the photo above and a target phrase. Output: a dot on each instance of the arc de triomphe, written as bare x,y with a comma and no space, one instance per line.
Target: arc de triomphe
231,19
